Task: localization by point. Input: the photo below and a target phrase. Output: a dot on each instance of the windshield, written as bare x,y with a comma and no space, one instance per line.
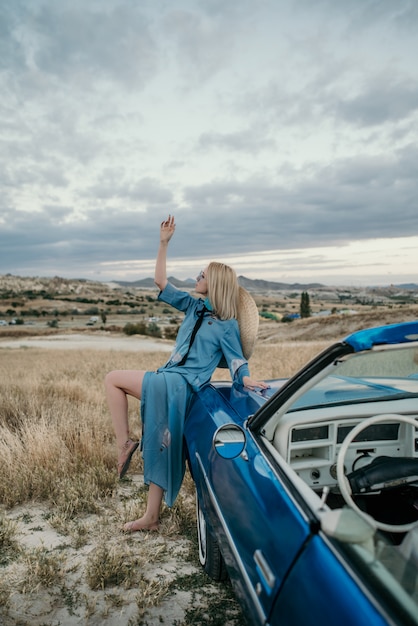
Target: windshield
382,373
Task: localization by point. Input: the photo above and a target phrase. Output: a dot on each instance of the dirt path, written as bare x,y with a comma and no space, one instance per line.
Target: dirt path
97,341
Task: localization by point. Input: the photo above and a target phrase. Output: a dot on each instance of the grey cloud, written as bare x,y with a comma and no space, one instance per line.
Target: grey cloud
398,15
150,191
201,41
112,185
333,75
374,100
41,237
116,44
367,13
248,141
11,51
75,136
405,15
381,101
81,42
351,199
346,200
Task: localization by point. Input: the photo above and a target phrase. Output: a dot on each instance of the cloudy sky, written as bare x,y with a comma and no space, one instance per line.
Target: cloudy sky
282,134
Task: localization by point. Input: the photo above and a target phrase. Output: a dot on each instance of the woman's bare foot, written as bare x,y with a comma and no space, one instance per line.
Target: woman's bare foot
141,524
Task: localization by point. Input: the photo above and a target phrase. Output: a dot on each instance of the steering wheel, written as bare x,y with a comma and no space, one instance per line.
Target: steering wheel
343,483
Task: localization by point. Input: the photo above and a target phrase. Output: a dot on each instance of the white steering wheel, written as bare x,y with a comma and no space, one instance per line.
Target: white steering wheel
343,483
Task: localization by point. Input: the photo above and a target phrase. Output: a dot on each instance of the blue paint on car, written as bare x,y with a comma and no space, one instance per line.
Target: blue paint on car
271,511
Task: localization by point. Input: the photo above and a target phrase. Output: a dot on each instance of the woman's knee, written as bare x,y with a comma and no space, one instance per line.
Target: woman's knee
129,381
110,379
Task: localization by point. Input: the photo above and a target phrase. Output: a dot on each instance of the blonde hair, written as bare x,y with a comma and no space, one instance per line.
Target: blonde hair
223,290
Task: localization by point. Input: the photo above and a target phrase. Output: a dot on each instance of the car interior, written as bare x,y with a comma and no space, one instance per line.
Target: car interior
351,436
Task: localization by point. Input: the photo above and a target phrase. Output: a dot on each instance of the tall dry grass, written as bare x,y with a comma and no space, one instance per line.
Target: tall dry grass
56,438
55,432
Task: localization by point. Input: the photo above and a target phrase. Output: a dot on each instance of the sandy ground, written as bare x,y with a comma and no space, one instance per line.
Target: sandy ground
95,341
71,602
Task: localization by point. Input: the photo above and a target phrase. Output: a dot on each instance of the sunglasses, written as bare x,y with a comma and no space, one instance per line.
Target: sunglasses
200,276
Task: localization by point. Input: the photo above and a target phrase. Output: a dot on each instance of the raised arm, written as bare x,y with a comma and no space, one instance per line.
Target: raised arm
167,229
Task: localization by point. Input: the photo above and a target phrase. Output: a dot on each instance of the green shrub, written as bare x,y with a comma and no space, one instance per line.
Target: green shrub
138,328
170,332
153,330
268,315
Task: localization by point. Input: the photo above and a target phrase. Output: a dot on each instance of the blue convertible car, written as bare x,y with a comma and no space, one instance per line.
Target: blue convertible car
307,493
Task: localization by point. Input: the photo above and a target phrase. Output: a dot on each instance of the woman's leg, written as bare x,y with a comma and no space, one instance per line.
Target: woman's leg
119,384
151,518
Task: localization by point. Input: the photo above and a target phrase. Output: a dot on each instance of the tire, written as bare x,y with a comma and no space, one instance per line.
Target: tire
210,556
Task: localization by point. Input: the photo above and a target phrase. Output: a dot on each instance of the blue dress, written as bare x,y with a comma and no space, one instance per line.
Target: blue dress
166,393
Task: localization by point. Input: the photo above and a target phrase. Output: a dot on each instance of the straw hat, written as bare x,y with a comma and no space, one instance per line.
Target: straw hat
248,324
248,319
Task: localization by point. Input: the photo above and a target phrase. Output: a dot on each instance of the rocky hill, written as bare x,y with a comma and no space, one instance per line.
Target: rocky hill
22,296
39,305
57,285
18,285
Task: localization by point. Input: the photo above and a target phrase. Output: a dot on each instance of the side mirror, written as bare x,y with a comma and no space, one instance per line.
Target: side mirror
229,441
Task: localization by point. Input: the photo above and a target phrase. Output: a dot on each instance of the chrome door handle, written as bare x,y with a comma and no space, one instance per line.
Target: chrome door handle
267,577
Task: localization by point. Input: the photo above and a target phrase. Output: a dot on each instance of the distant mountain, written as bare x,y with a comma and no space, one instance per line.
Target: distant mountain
18,284
259,285
408,286
145,283
267,285
249,284
148,283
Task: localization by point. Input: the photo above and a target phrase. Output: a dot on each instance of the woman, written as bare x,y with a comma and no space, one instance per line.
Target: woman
209,332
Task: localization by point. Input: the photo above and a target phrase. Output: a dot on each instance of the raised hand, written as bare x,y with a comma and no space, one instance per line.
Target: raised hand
167,229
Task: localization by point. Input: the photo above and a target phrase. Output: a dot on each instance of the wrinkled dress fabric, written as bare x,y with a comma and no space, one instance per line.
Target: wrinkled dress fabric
164,402
166,393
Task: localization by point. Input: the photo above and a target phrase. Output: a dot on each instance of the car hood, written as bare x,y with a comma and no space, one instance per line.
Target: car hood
244,401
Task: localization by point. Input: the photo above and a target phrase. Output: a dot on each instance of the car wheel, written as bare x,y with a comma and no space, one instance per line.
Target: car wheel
210,556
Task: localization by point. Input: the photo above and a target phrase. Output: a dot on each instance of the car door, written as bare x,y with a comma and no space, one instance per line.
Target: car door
322,589
263,528
259,526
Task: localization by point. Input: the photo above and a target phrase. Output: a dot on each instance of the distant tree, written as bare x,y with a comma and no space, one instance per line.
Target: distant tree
286,319
305,307
153,330
103,316
135,329
92,310
170,332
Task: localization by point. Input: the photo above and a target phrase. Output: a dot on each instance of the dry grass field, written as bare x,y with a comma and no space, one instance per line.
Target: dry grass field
63,557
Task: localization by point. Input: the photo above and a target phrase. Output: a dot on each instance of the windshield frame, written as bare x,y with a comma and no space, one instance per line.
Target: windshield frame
330,366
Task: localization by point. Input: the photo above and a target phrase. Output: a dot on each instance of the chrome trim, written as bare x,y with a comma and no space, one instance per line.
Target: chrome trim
264,568
235,552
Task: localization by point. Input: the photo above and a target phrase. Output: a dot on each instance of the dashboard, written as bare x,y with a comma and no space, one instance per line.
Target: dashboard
310,440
